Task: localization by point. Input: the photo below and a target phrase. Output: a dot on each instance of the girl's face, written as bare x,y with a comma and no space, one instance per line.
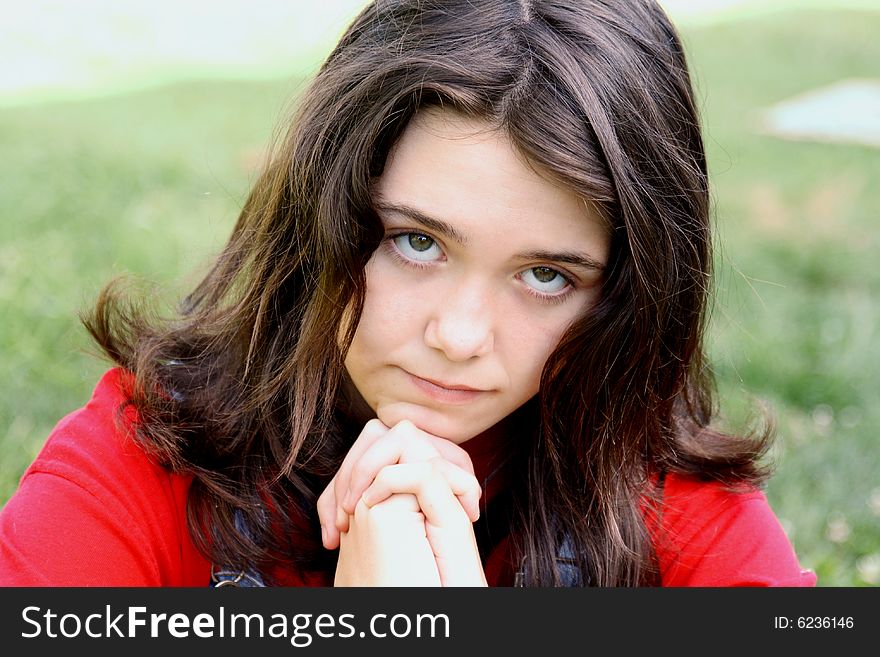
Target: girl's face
483,266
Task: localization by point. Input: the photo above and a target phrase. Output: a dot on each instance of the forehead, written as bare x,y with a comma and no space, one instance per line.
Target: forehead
469,173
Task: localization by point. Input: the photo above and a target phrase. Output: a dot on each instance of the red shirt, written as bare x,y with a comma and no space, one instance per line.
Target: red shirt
94,510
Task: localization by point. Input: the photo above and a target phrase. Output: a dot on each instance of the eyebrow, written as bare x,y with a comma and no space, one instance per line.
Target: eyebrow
568,257
428,221
577,259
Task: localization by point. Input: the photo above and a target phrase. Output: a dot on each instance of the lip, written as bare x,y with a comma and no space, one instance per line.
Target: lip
450,393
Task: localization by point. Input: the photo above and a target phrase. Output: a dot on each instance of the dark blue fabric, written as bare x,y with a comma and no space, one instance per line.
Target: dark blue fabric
222,576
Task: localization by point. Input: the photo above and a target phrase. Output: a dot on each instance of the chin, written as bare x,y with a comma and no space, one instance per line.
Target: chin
429,420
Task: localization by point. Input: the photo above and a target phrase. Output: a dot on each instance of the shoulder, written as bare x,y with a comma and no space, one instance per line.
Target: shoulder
95,447
94,509
97,439
708,535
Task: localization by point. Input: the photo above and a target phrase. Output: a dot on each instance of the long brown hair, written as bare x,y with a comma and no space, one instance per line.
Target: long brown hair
242,388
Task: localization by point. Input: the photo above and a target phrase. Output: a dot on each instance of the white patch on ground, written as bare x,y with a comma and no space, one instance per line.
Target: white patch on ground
845,112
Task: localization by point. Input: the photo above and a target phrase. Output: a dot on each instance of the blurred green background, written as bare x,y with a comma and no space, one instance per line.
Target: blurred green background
123,152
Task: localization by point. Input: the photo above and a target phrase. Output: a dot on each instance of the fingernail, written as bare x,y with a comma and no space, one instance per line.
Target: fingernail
323,535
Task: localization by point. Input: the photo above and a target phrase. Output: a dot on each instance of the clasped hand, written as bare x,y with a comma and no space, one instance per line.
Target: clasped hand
401,510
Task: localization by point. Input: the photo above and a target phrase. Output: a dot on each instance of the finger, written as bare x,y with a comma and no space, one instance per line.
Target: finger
437,482
329,516
403,503
403,443
387,546
372,431
449,533
338,500
453,453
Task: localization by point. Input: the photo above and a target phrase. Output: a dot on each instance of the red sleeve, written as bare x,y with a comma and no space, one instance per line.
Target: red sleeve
709,536
94,510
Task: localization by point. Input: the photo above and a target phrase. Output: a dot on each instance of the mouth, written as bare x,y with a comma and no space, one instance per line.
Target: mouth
450,393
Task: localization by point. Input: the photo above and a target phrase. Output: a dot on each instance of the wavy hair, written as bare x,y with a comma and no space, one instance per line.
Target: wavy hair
241,388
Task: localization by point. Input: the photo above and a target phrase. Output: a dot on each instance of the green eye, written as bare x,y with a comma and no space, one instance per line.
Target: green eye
417,247
544,274
420,243
544,280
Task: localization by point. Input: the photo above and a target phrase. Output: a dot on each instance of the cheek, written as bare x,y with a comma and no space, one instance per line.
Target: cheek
392,306
529,351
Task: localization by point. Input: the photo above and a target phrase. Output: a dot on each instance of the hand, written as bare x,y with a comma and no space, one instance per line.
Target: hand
386,545
387,464
449,531
378,446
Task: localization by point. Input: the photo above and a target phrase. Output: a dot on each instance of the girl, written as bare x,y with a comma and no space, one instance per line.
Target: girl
455,338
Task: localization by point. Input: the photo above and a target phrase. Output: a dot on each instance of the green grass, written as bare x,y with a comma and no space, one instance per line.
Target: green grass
796,317
147,184
150,183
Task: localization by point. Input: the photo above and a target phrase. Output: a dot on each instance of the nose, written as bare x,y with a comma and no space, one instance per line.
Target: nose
461,326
